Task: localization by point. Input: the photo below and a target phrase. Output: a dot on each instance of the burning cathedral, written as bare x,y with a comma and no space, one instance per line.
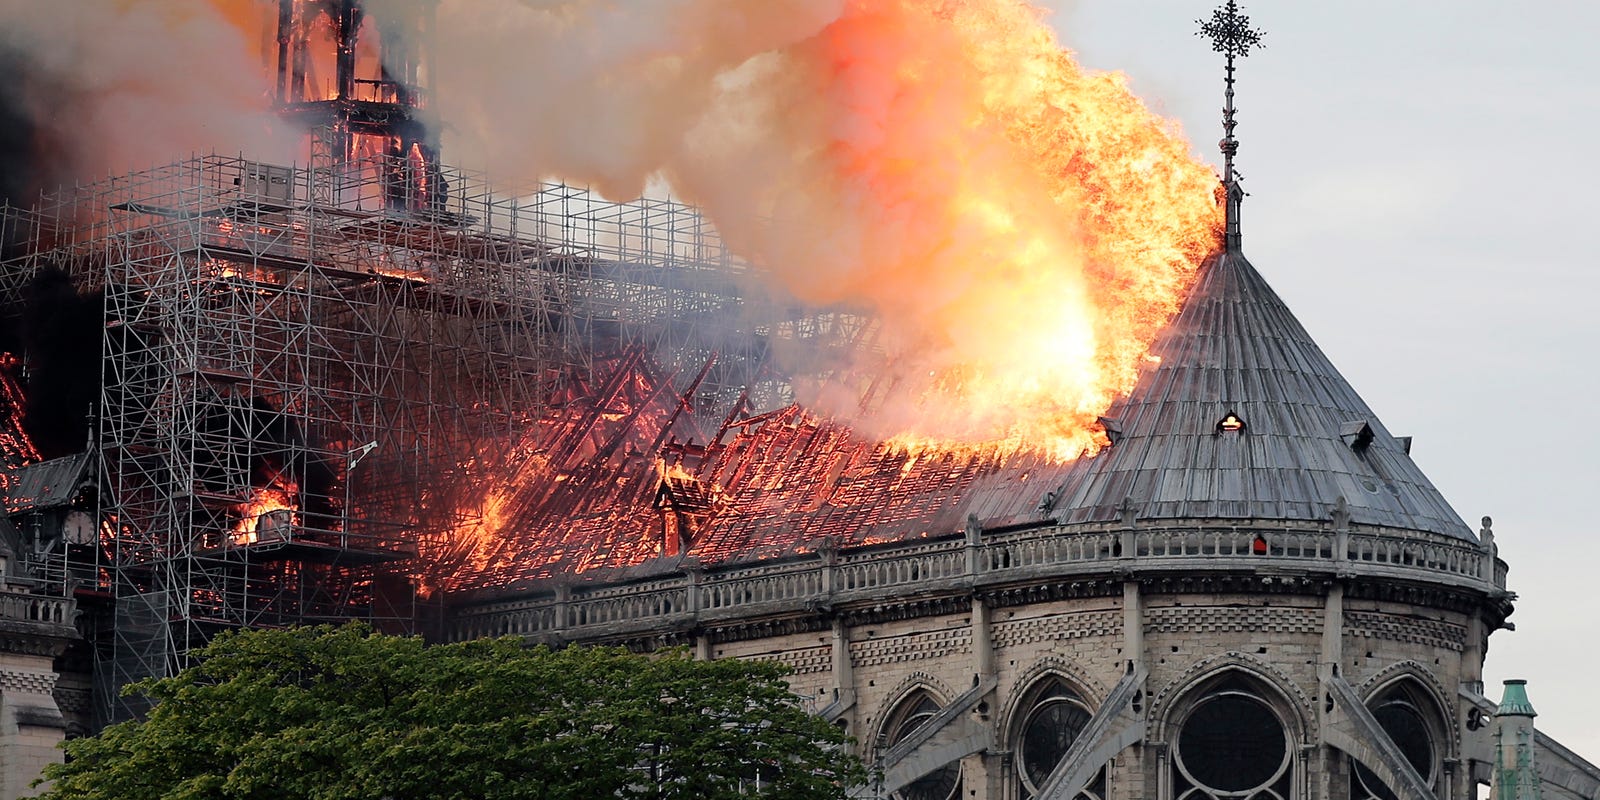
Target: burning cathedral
369,387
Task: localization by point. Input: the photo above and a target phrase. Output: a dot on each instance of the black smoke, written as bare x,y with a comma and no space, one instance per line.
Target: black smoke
33,156
58,332
55,329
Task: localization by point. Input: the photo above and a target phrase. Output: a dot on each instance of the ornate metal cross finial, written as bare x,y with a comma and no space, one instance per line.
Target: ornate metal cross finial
1230,31
1231,35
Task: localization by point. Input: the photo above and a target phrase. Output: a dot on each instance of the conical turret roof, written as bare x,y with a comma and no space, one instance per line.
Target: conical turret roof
1299,438
1515,700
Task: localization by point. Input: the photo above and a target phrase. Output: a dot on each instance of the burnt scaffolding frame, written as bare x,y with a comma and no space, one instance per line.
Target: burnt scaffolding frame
268,323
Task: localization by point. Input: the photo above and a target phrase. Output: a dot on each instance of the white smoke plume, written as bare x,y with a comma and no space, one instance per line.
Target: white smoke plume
1022,228
99,87
599,91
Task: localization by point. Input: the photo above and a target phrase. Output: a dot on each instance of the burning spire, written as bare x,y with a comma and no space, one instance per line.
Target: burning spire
1230,34
359,73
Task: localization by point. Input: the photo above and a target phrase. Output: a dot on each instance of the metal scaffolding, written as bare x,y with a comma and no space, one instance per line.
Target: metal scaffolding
305,368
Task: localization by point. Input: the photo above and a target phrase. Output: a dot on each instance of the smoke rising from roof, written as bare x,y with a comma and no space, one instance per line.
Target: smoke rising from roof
98,87
60,329
1021,227
596,91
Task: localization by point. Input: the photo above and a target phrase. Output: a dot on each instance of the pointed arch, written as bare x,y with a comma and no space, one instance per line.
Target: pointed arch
1092,690
1297,705
1233,728
1413,711
1427,682
1049,709
915,704
918,680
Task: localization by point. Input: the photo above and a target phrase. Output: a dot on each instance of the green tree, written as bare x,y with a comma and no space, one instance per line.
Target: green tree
344,713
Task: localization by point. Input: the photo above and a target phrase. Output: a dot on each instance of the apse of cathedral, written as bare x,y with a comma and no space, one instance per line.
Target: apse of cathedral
1245,589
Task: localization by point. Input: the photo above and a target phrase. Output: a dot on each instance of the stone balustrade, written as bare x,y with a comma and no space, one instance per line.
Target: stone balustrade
957,564
25,607
792,585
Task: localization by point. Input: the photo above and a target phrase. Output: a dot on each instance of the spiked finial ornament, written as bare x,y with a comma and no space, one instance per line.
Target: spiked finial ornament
1230,31
1231,35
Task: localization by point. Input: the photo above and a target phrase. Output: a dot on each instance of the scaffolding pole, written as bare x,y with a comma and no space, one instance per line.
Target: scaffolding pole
303,375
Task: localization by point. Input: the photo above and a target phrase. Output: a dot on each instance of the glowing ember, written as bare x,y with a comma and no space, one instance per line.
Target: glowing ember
16,448
269,516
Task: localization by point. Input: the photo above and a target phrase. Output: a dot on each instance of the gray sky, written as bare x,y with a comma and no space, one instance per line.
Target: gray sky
1422,179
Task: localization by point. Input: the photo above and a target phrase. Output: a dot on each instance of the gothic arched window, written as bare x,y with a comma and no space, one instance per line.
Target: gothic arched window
913,710
1232,743
1412,720
1052,717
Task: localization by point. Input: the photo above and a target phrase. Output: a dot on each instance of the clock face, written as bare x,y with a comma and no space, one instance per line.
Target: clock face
78,528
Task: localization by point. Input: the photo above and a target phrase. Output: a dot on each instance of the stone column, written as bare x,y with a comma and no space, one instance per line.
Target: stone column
982,640
31,725
844,674
1132,624
1332,631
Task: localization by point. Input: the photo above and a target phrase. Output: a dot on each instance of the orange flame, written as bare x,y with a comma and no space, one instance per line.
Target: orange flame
268,515
673,470
1023,227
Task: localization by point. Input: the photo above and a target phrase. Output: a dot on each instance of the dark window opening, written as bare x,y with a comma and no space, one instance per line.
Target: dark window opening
1230,423
1057,717
1232,745
1401,712
943,783
1356,435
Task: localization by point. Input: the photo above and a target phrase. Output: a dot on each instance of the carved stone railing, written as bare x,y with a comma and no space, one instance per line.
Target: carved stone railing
957,563
798,584
44,609
647,603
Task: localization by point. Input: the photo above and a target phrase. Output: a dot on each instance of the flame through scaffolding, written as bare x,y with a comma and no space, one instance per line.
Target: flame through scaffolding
303,390
342,388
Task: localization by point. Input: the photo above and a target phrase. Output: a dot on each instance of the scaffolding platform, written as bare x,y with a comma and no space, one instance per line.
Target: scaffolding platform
305,551
286,332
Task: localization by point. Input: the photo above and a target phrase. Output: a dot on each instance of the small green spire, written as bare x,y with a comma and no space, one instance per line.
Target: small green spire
1515,701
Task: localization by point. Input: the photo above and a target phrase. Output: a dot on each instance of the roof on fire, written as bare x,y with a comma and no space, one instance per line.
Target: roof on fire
48,484
1243,419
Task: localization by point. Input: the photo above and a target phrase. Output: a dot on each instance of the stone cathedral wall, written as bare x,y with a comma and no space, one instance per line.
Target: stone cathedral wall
1185,637
945,652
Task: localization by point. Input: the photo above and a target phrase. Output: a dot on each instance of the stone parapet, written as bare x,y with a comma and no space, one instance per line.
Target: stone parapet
989,561
34,629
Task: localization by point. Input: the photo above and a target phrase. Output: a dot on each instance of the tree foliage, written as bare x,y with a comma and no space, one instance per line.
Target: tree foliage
344,713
